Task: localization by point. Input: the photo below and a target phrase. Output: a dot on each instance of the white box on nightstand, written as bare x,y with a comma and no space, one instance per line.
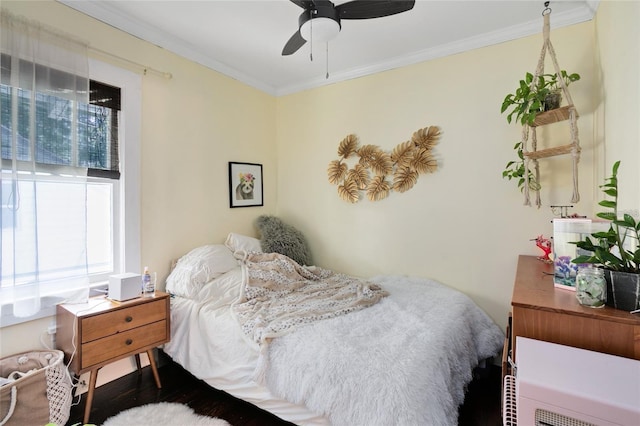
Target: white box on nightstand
125,286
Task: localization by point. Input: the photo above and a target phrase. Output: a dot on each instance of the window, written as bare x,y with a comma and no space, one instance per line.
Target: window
107,146
58,187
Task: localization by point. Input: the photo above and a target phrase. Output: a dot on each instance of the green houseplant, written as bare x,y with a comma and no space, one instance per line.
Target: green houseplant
615,250
515,170
528,101
525,104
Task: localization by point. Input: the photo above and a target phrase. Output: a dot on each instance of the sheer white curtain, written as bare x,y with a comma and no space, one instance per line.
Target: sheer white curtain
44,221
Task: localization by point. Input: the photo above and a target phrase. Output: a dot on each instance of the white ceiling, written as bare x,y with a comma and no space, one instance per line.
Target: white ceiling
244,38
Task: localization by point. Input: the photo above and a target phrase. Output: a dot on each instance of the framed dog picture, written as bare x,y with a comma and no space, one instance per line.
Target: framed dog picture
245,185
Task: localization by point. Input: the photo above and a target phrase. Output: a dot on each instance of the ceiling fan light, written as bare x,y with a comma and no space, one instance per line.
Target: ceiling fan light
324,29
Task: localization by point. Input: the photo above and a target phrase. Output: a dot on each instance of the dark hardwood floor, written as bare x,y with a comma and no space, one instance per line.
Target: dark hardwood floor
481,406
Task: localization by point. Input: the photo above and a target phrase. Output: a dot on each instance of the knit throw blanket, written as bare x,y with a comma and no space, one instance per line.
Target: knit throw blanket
280,295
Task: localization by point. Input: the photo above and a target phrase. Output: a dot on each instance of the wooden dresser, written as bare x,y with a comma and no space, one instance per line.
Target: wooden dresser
543,312
102,331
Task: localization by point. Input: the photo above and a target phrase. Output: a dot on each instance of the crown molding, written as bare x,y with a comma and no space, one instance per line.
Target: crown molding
488,39
103,11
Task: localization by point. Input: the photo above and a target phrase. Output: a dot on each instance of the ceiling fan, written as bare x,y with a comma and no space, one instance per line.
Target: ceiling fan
321,18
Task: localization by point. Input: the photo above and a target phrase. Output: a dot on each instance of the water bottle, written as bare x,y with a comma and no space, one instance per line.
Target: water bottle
148,284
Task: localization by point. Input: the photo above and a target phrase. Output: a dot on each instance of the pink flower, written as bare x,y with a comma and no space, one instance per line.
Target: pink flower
248,177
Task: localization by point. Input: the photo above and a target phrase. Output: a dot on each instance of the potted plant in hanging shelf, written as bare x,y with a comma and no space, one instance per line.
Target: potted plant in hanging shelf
530,100
524,106
615,250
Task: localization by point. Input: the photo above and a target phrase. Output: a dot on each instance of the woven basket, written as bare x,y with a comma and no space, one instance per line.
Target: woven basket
36,389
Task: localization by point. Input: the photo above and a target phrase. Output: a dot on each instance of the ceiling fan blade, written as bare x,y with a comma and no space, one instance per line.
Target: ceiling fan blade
367,9
295,42
322,3
305,4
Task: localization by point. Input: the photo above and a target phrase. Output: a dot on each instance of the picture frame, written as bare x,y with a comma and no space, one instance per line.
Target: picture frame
245,185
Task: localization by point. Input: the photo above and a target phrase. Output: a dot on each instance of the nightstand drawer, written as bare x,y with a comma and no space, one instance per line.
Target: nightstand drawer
120,344
120,320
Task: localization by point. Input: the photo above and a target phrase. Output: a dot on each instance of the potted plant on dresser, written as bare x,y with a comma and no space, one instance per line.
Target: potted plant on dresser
616,250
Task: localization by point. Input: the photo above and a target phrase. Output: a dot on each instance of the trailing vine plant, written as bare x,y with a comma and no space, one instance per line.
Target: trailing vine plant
375,167
516,170
523,106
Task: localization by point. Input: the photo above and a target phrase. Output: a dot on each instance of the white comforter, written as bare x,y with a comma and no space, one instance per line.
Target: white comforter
403,361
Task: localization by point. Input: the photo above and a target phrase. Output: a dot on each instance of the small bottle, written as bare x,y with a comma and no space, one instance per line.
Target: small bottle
148,284
591,287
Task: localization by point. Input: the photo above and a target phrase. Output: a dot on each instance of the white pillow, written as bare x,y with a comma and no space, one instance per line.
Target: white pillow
198,267
224,290
240,245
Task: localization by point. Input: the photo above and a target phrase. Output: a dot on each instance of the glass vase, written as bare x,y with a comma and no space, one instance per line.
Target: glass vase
552,100
591,287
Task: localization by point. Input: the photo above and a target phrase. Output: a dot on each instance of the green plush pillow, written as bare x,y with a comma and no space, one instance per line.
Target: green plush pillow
278,237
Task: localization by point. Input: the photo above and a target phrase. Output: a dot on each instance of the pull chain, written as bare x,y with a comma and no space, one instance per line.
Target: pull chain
327,76
311,36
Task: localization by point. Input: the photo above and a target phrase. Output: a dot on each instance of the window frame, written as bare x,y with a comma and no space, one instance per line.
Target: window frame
127,246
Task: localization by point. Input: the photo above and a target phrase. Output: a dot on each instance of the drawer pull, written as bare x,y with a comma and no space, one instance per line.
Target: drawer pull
129,318
129,341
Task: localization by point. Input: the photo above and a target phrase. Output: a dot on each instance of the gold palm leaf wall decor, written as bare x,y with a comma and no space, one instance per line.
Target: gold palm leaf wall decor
377,172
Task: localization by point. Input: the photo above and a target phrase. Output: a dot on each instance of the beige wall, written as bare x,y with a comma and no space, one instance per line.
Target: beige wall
463,225
617,130
192,125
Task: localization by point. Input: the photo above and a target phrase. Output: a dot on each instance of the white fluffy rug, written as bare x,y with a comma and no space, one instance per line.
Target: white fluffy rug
162,414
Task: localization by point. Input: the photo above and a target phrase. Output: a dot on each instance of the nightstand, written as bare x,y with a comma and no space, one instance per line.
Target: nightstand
102,331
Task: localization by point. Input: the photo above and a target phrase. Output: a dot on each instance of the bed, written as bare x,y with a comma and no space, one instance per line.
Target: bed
396,350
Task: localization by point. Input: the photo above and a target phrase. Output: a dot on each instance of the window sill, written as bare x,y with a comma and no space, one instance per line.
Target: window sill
48,306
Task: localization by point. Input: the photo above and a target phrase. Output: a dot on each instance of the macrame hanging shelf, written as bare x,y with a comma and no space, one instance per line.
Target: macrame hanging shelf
565,113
